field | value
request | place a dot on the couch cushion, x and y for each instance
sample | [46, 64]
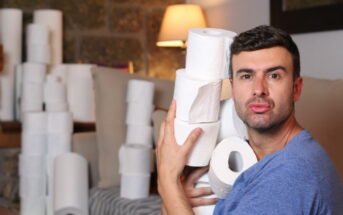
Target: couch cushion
[320, 111]
[110, 94]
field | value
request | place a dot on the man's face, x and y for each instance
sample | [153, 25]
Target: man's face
[263, 87]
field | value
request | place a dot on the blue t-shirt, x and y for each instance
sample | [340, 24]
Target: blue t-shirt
[298, 179]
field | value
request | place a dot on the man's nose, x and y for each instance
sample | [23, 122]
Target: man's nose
[260, 87]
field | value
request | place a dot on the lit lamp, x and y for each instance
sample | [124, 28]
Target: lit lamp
[177, 20]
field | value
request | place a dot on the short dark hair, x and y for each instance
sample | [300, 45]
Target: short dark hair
[262, 37]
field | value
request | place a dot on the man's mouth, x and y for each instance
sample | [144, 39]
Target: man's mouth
[259, 107]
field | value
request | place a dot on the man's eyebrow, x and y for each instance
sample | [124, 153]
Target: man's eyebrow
[244, 70]
[274, 68]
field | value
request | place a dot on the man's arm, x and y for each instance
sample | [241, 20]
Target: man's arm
[171, 159]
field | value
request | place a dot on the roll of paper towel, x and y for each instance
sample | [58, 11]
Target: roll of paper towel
[202, 150]
[70, 185]
[230, 158]
[231, 125]
[134, 186]
[197, 101]
[33, 144]
[208, 52]
[53, 19]
[11, 38]
[80, 92]
[35, 122]
[140, 91]
[37, 34]
[34, 73]
[139, 134]
[139, 113]
[59, 123]
[135, 159]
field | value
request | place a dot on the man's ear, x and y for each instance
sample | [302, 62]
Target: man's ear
[298, 85]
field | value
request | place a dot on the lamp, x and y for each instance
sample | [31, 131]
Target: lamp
[177, 20]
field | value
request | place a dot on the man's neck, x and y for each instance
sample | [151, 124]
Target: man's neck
[271, 141]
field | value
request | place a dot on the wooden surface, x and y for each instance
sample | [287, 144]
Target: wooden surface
[5, 211]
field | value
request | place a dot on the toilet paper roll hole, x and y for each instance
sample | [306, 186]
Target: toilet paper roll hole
[235, 161]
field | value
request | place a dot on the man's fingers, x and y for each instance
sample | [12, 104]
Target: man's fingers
[169, 122]
[161, 136]
[191, 139]
[202, 201]
[198, 192]
[171, 111]
[194, 176]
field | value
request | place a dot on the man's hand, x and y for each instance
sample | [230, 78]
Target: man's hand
[196, 195]
[171, 159]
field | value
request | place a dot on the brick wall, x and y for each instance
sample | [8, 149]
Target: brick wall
[112, 31]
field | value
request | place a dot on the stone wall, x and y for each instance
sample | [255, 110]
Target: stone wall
[109, 32]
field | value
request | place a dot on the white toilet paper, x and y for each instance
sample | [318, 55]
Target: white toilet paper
[18, 90]
[230, 158]
[231, 124]
[34, 73]
[139, 134]
[139, 113]
[140, 91]
[35, 122]
[70, 185]
[53, 19]
[135, 159]
[30, 186]
[202, 150]
[32, 165]
[61, 71]
[37, 34]
[54, 90]
[59, 123]
[32, 205]
[11, 39]
[38, 53]
[33, 144]
[56, 107]
[32, 92]
[197, 101]
[80, 92]
[208, 52]
[134, 186]
[206, 209]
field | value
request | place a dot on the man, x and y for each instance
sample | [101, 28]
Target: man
[294, 175]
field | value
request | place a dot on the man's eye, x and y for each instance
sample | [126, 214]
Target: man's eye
[246, 76]
[274, 75]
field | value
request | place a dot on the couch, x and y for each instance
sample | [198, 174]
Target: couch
[320, 110]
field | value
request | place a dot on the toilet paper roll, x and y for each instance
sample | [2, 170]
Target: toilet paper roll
[139, 134]
[10, 38]
[54, 90]
[208, 52]
[135, 159]
[206, 209]
[38, 53]
[32, 205]
[18, 90]
[139, 113]
[80, 92]
[35, 122]
[197, 101]
[30, 186]
[202, 150]
[33, 144]
[134, 186]
[230, 158]
[58, 143]
[34, 73]
[56, 107]
[140, 91]
[61, 71]
[31, 106]
[53, 19]
[231, 124]
[32, 92]
[70, 185]
[37, 34]
[32, 165]
[59, 123]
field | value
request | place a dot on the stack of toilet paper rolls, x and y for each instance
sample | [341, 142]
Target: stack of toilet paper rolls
[32, 164]
[55, 94]
[135, 156]
[197, 90]
[37, 43]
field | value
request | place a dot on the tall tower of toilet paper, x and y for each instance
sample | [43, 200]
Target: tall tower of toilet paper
[135, 156]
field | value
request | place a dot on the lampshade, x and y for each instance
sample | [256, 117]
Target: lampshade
[177, 20]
